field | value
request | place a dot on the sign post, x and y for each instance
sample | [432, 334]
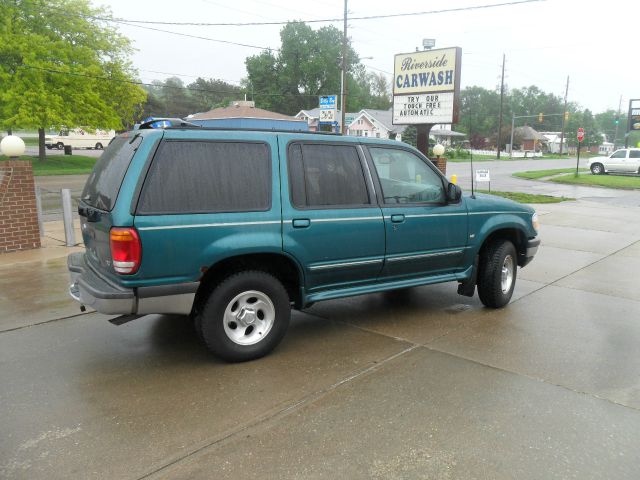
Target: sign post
[426, 86]
[328, 111]
[580, 137]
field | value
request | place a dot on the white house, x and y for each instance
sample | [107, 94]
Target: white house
[553, 142]
[375, 124]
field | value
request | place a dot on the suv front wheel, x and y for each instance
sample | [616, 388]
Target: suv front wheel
[497, 274]
[245, 317]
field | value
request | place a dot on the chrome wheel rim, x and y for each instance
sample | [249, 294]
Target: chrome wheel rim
[507, 274]
[596, 169]
[249, 317]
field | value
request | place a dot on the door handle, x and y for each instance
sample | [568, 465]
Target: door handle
[301, 222]
[397, 218]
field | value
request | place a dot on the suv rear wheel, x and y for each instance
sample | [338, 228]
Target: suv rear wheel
[497, 274]
[245, 317]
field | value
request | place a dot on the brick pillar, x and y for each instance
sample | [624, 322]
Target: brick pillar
[18, 213]
[441, 163]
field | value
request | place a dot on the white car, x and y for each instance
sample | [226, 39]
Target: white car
[80, 138]
[625, 160]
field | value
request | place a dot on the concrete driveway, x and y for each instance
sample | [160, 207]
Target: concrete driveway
[411, 384]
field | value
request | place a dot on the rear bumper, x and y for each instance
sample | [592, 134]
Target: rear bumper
[91, 289]
[530, 251]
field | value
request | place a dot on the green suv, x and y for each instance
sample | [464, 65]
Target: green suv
[236, 227]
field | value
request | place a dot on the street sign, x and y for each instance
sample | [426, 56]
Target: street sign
[328, 108]
[580, 134]
[483, 175]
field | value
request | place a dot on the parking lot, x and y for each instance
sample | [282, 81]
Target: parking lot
[419, 383]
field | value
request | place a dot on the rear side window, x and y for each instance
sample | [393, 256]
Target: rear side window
[103, 185]
[323, 175]
[634, 154]
[207, 177]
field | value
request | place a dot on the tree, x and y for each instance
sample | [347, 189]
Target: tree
[307, 66]
[213, 93]
[62, 66]
[479, 110]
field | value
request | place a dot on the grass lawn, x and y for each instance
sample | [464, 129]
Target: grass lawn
[528, 197]
[504, 157]
[609, 181]
[60, 164]
[537, 174]
[31, 141]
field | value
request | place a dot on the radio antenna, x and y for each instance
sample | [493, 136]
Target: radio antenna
[472, 195]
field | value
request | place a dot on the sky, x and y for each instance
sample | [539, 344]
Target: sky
[595, 43]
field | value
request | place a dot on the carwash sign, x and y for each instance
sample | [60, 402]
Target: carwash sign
[426, 86]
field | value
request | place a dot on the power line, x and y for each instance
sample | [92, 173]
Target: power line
[198, 37]
[146, 84]
[323, 20]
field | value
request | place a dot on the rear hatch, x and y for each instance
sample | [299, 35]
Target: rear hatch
[99, 198]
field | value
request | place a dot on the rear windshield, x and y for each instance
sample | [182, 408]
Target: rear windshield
[103, 185]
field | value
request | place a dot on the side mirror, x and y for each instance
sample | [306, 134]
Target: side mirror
[454, 193]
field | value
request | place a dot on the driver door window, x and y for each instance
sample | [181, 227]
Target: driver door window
[405, 178]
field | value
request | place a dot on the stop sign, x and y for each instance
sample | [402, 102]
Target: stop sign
[580, 134]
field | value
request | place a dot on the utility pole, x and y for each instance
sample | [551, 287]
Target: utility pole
[501, 100]
[513, 122]
[564, 114]
[615, 135]
[343, 76]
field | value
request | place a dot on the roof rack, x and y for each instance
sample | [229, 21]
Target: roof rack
[179, 124]
[166, 123]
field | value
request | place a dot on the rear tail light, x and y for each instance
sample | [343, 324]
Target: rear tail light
[126, 251]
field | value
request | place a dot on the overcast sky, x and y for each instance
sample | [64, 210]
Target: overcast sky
[593, 42]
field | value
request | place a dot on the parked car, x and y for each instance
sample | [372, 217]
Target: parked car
[625, 160]
[80, 138]
[236, 227]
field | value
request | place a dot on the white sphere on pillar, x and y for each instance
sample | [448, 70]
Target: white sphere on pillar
[12, 146]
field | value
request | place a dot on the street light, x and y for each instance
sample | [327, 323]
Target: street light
[12, 146]
[428, 43]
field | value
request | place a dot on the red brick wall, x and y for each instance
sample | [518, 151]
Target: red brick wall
[18, 213]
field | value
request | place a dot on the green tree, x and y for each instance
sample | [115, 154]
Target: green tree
[213, 93]
[306, 66]
[61, 66]
[479, 110]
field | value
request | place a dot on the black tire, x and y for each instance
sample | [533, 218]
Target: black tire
[490, 273]
[224, 331]
[99, 146]
[60, 146]
[597, 169]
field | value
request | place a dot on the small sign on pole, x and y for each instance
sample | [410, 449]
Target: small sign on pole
[483, 175]
[328, 108]
[580, 137]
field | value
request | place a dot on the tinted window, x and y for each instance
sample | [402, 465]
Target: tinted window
[103, 185]
[634, 154]
[326, 175]
[620, 154]
[204, 177]
[406, 178]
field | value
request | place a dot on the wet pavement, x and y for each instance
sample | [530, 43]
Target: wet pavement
[420, 383]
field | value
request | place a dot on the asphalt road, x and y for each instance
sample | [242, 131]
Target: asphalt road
[414, 384]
